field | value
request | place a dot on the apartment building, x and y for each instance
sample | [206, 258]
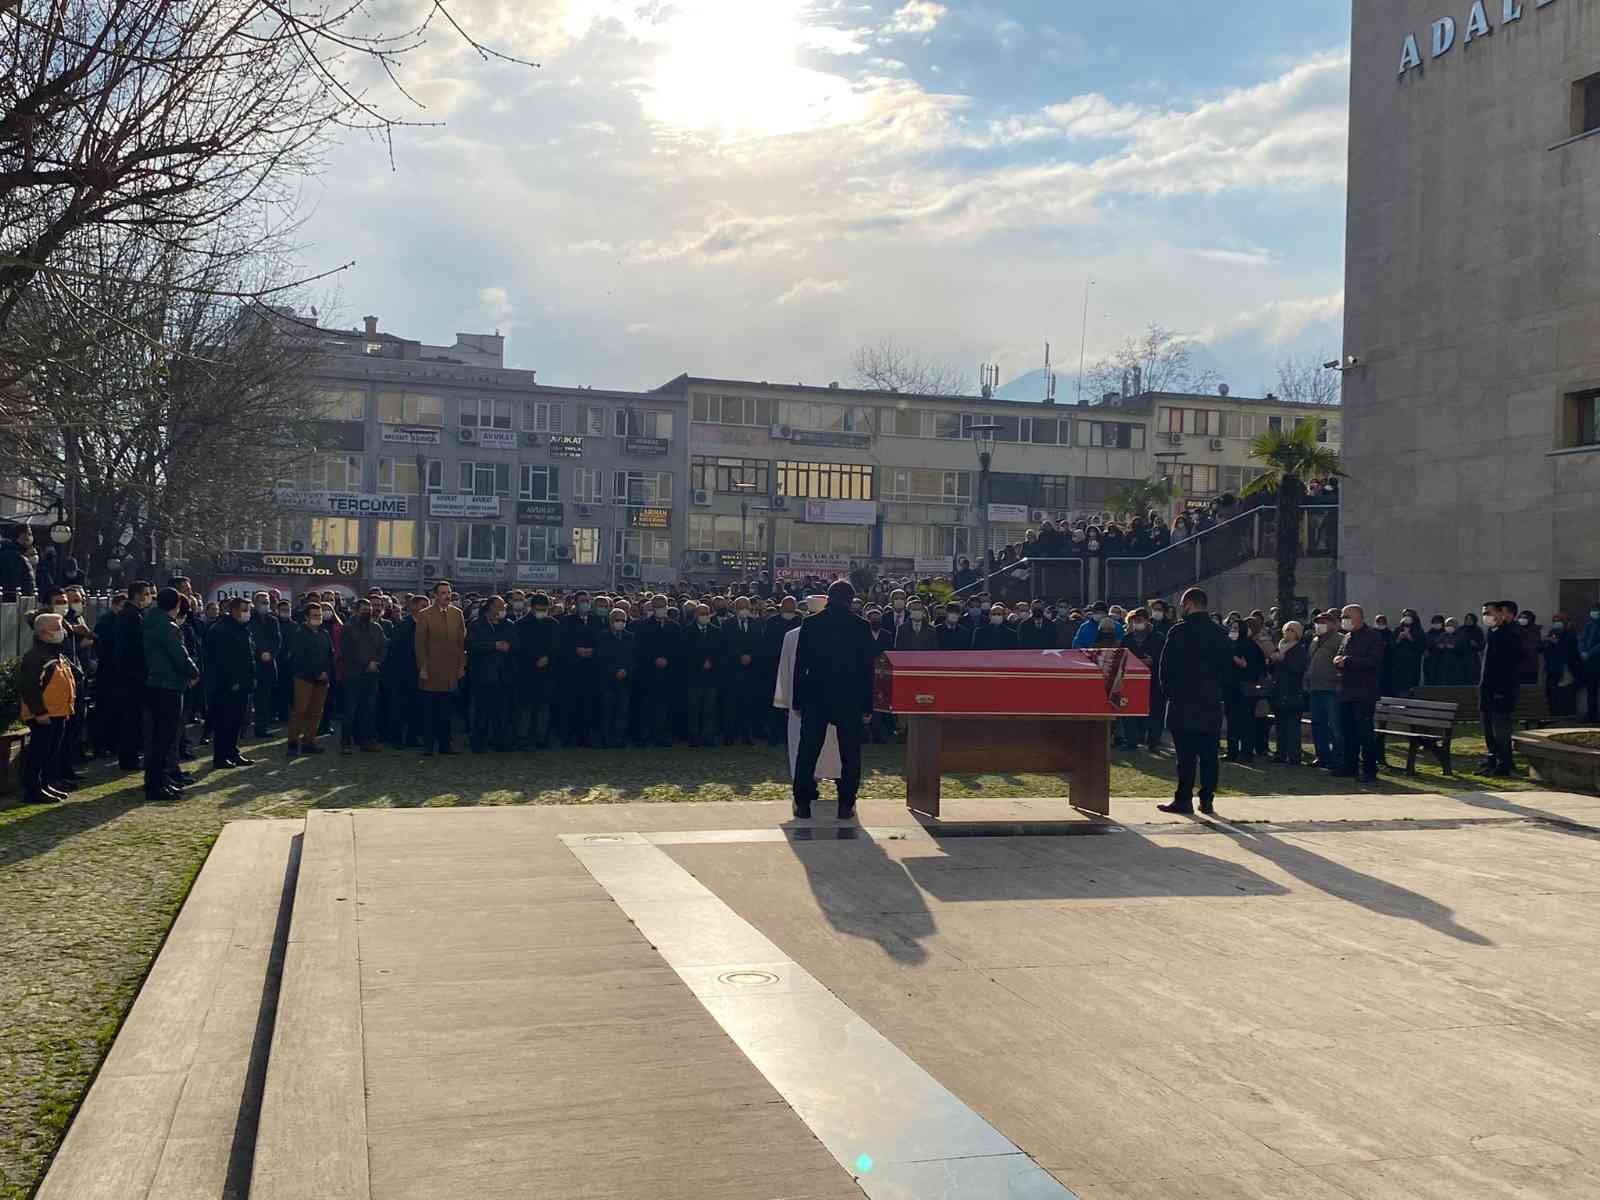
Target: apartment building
[1204, 440]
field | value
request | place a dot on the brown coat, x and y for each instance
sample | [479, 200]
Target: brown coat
[441, 649]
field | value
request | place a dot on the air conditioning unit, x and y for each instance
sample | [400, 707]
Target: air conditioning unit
[630, 570]
[706, 558]
[429, 570]
[466, 436]
[585, 510]
[780, 502]
[702, 497]
[563, 553]
[780, 562]
[618, 558]
[1175, 439]
[783, 433]
[530, 439]
[1216, 443]
[1037, 516]
[297, 547]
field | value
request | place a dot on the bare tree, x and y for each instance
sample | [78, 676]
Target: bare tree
[169, 118]
[888, 366]
[1306, 381]
[1157, 360]
[158, 407]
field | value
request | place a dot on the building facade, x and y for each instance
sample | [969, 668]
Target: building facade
[440, 463]
[1472, 305]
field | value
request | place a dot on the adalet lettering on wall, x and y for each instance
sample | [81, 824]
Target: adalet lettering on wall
[1442, 34]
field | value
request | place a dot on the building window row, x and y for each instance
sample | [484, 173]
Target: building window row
[730, 476]
[824, 481]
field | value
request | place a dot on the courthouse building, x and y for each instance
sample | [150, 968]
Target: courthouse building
[1472, 305]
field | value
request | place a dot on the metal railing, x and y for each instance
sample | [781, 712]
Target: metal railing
[16, 635]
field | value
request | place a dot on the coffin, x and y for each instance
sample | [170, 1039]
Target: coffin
[1102, 683]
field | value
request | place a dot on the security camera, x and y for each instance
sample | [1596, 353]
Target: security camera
[1331, 365]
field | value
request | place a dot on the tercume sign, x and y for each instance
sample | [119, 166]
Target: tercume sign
[1442, 34]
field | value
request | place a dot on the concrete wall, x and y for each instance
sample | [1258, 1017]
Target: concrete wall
[1472, 298]
[1255, 585]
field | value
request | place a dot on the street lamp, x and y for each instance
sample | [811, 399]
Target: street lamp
[744, 487]
[983, 442]
[61, 531]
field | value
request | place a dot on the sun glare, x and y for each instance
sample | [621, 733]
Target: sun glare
[728, 69]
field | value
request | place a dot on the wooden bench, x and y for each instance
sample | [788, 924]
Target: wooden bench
[1533, 706]
[1422, 723]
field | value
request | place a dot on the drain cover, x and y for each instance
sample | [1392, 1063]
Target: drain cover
[602, 837]
[748, 978]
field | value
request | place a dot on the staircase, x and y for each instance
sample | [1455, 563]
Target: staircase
[1227, 560]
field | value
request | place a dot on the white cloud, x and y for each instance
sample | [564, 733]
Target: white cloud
[1251, 257]
[915, 17]
[1279, 322]
[810, 288]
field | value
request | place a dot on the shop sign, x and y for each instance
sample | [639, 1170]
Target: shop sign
[462, 505]
[541, 512]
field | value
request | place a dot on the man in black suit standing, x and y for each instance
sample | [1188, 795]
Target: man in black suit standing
[1193, 664]
[1499, 684]
[832, 686]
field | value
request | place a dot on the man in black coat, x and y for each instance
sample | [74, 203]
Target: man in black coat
[1498, 685]
[538, 647]
[702, 664]
[617, 654]
[491, 667]
[267, 636]
[131, 673]
[1193, 663]
[405, 723]
[996, 635]
[772, 635]
[230, 677]
[581, 630]
[1036, 633]
[1360, 663]
[659, 648]
[742, 704]
[832, 686]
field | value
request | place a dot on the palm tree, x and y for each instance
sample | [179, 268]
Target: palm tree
[1290, 461]
[1140, 496]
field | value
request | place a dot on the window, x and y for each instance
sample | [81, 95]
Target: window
[485, 413]
[396, 539]
[264, 535]
[1093, 493]
[486, 479]
[329, 473]
[707, 532]
[586, 547]
[1054, 492]
[481, 543]
[645, 546]
[825, 418]
[1204, 422]
[1232, 479]
[1583, 419]
[1006, 488]
[634, 422]
[947, 425]
[915, 483]
[925, 541]
[824, 481]
[587, 487]
[537, 544]
[1586, 105]
[642, 487]
[400, 475]
[591, 420]
[335, 535]
[845, 541]
[726, 475]
[1327, 430]
[1194, 480]
[1114, 435]
[410, 408]
[1041, 431]
[541, 416]
[734, 410]
[901, 422]
[539, 483]
[432, 538]
[342, 404]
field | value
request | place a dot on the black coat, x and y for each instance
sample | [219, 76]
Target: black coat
[400, 660]
[487, 666]
[1196, 657]
[909, 637]
[737, 643]
[230, 659]
[994, 637]
[16, 572]
[1238, 678]
[1036, 635]
[1289, 679]
[1405, 660]
[833, 665]
[266, 634]
[658, 640]
[616, 652]
[1502, 666]
[1363, 661]
[701, 649]
[536, 639]
[581, 632]
[955, 637]
[130, 645]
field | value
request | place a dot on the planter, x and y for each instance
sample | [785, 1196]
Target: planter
[1559, 764]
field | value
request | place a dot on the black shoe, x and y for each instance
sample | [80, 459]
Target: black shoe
[222, 764]
[291, 750]
[847, 812]
[50, 789]
[1207, 809]
[1486, 767]
[163, 794]
[1181, 810]
[181, 777]
[42, 797]
[65, 786]
[310, 748]
[239, 760]
[802, 812]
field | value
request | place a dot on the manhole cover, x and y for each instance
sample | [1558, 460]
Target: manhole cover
[603, 837]
[748, 978]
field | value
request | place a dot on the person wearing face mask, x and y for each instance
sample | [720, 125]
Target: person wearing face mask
[1089, 632]
[283, 689]
[1530, 639]
[169, 673]
[1145, 643]
[1247, 670]
[742, 674]
[363, 649]
[918, 632]
[16, 569]
[703, 649]
[615, 654]
[1194, 661]
[1360, 660]
[1563, 666]
[1500, 685]
[230, 678]
[1471, 647]
[579, 673]
[996, 635]
[1288, 691]
[1035, 632]
[311, 648]
[1322, 691]
[536, 644]
[660, 646]
[47, 691]
[976, 616]
[491, 667]
[403, 716]
[131, 673]
[773, 632]
[1407, 653]
[1589, 653]
[954, 632]
[1437, 653]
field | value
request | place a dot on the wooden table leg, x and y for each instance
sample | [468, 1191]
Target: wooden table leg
[1090, 782]
[923, 738]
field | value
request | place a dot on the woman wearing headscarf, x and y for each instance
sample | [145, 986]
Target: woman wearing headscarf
[1248, 667]
[1406, 653]
[1288, 691]
[1563, 667]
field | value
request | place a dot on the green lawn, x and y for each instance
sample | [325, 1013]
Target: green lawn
[88, 888]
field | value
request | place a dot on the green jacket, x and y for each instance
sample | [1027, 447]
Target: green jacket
[166, 661]
[360, 644]
[311, 651]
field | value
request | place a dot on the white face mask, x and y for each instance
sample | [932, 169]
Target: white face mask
[1233, 635]
[702, 619]
[59, 609]
[996, 619]
[918, 616]
[263, 609]
[1524, 621]
[53, 637]
[1323, 627]
[314, 620]
[1140, 627]
[952, 619]
[899, 605]
[1346, 624]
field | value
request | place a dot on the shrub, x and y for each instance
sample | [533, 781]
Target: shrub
[10, 697]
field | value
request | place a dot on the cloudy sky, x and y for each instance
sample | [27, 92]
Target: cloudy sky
[754, 188]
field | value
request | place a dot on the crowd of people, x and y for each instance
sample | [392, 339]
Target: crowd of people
[162, 672]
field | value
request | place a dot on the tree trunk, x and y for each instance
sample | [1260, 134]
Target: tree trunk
[1289, 493]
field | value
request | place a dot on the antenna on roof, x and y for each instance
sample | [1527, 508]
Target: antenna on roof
[988, 379]
[1049, 378]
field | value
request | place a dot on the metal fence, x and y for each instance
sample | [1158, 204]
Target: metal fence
[16, 635]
